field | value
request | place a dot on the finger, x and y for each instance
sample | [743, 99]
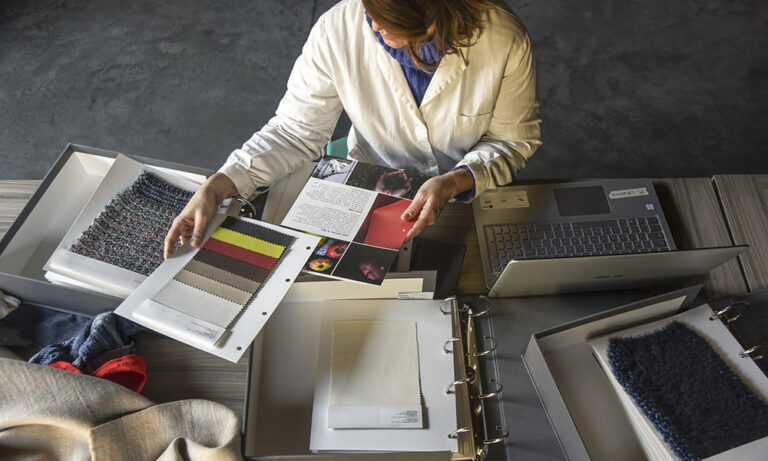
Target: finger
[199, 231]
[413, 209]
[171, 238]
[427, 217]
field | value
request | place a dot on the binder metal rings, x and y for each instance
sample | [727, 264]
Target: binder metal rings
[455, 434]
[722, 313]
[445, 345]
[450, 389]
[502, 438]
[486, 352]
[499, 387]
[247, 209]
[485, 301]
[751, 350]
[448, 301]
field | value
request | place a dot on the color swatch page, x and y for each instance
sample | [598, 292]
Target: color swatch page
[226, 272]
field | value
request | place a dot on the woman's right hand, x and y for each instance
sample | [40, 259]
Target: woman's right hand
[194, 218]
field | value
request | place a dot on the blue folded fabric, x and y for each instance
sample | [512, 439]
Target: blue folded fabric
[687, 391]
[39, 326]
[106, 332]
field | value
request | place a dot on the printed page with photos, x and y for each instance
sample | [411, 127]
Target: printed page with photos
[355, 208]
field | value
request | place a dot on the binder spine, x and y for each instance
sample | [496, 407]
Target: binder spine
[473, 435]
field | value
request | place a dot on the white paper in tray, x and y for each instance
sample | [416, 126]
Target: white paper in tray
[109, 279]
[228, 343]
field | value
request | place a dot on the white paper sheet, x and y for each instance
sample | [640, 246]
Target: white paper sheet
[330, 209]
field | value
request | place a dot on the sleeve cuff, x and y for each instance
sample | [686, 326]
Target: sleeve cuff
[467, 195]
[239, 176]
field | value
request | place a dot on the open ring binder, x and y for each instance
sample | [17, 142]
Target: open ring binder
[722, 314]
[472, 431]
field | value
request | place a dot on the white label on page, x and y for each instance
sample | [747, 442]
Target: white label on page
[506, 200]
[400, 417]
[626, 193]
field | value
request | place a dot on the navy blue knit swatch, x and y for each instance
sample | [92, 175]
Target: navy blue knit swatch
[129, 233]
[687, 391]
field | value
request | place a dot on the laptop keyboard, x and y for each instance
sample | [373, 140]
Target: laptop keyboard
[568, 239]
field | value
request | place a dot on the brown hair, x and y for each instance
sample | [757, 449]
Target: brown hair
[455, 22]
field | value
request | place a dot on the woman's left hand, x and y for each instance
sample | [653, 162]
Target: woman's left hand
[432, 197]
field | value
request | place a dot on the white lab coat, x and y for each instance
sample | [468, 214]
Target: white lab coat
[480, 108]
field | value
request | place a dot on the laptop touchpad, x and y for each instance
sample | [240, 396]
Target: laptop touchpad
[575, 201]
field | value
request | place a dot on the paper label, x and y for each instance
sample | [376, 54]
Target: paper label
[626, 193]
[199, 329]
[506, 200]
[400, 417]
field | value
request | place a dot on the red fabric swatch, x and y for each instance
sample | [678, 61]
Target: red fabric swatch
[129, 371]
[62, 365]
[241, 254]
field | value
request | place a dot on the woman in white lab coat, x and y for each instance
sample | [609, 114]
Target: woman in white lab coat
[444, 87]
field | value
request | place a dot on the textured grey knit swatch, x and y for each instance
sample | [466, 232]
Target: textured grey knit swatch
[130, 230]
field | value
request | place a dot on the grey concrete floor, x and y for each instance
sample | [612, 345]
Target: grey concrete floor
[652, 88]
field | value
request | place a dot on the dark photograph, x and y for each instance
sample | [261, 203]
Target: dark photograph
[325, 257]
[398, 183]
[333, 169]
[365, 263]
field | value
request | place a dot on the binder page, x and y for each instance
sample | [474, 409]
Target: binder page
[435, 370]
[723, 344]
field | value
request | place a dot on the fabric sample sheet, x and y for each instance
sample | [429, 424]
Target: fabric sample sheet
[225, 274]
[374, 375]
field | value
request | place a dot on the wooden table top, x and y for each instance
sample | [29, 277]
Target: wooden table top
[692, 206]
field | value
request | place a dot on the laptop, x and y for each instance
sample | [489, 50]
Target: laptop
[582, 236]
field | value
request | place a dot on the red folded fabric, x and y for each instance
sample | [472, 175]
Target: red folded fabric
[128, 370]
[62, 365]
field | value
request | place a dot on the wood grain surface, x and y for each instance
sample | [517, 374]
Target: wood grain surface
[13, 196]
[696, 220]
[745, 203]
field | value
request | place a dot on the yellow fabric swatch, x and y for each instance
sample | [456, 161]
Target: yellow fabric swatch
[249, 243]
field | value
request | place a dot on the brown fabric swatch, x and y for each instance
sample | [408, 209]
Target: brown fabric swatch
[223, 276]
[217, 288]
[228, 264]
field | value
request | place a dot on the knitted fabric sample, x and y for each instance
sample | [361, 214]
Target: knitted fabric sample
[687, 391]
[129, 232]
